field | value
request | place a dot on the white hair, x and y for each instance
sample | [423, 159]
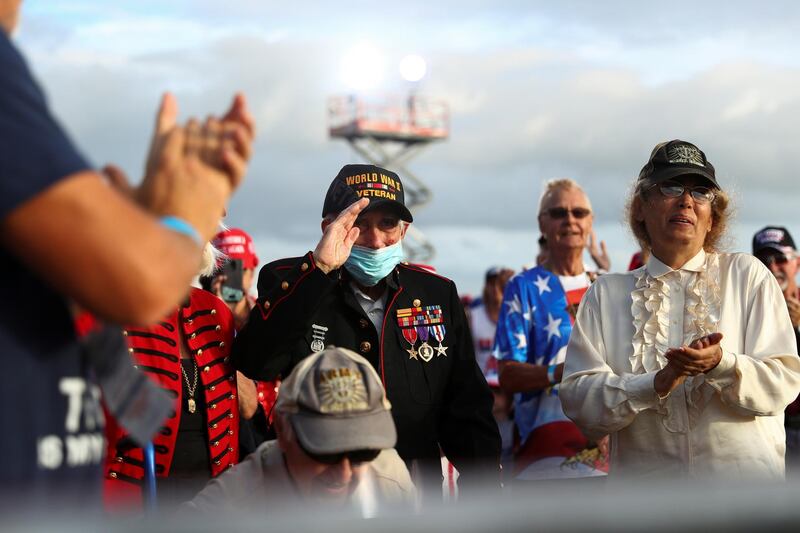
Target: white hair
[209, 259]
[561, 184]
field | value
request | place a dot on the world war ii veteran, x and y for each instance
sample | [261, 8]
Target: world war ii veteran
[354, 291]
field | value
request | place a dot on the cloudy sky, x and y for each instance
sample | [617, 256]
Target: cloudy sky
[536, 90]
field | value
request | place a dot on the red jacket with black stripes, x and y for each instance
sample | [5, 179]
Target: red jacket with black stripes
[207, 325]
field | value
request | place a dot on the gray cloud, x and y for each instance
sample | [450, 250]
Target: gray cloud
[579, 89]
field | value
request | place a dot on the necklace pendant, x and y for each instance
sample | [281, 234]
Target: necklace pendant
[192, 405]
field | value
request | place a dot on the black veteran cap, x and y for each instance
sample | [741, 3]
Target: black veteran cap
[382, 187]
[677, 158]
[774, 237]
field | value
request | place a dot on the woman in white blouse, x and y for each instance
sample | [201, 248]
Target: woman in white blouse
[689, 361]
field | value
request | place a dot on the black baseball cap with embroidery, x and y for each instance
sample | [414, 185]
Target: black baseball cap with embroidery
[676, 158]
[382, 187]
[773, 237]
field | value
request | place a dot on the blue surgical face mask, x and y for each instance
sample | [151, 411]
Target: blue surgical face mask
[368, 266]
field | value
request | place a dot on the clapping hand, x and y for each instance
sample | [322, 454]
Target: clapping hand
[700, 356]
[191, 171]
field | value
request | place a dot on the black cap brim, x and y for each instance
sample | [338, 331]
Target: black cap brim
[672, 172]
[382, 203]
[783, 249]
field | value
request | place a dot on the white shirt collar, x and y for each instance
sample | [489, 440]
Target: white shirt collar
[657, 269]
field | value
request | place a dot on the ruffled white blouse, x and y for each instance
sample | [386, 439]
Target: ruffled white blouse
[727, 423]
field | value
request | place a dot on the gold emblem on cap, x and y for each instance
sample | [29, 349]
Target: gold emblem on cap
[342, 390]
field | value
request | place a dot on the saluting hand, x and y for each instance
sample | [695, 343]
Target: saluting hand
[338, 238]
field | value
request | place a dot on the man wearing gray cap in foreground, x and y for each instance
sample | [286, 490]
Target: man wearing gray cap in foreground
[334, 447]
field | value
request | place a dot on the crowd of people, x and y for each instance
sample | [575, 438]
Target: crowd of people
[352, 378]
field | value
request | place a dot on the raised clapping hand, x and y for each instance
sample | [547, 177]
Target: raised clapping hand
[338, 238]
[191, 171]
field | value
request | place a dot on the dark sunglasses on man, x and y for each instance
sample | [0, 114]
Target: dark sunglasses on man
[356, 457]
[777, 259]
[562, 212]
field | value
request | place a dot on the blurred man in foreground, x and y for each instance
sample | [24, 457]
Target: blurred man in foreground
[334, 447]
[67, 236]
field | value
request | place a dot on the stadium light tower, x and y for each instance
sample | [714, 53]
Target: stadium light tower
[389, 131]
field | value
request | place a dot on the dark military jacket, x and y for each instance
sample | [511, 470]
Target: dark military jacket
[444, 401]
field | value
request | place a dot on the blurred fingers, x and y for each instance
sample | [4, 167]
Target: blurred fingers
[118, 179]
[236, 137]
[235, 166]
[240, 113]
[167, 114]
[210, 145]
[193, 142]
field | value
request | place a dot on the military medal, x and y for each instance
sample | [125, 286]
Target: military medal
[318, 344]
[418, 322]
[425, 349]
[438, 333]
[410, 334]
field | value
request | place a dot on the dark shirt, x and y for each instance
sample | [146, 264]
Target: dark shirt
[50, 409]
[190, 469]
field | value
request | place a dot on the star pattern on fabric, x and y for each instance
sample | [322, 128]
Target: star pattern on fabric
[497, 353]
[552, 326]
[543, 284]
[515, 306]
[527, 316]
[522, 341]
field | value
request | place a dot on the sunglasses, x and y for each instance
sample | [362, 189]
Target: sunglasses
[563, 212]
[356, 457]
[700, 194]
[777, 259]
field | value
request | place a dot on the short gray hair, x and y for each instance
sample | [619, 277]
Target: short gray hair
[561, 184]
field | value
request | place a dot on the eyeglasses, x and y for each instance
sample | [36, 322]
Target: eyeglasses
[562, 212]
[356, 457]
[700, 194]
[777, 259]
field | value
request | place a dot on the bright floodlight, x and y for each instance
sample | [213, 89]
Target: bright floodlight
[362, 67]
[413, 68]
